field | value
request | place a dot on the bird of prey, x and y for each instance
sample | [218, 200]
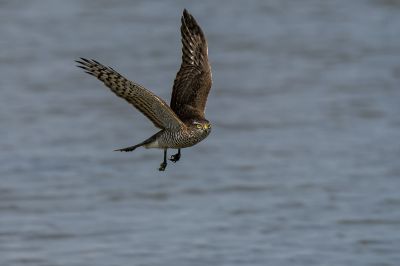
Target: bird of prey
[183, 123]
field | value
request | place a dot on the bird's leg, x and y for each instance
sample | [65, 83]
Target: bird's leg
[164, 163]
[174, 158]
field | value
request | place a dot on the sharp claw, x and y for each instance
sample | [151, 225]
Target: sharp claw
[162, 167]
[175, 158]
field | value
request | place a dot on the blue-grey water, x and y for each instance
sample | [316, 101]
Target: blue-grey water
[302, 166]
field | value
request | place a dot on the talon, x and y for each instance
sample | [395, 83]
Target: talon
[164, 163]
[174, 158]
[162, 166]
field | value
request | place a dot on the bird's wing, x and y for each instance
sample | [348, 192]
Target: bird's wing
[193, 80]
[152, 106]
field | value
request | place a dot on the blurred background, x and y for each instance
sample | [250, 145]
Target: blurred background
[302, 166]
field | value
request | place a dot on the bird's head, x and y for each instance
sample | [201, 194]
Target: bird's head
[202, 126]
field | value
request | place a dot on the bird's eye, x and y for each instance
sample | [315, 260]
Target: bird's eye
[198, 126]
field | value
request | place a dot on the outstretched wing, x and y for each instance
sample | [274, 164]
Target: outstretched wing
[193, 80]
[152, 106]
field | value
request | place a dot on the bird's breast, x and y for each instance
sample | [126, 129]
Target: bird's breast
[179, 139]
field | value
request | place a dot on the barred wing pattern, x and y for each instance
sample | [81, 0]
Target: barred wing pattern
[152, 106]
[193, 81]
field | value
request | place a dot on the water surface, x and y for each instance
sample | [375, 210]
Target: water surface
[302, 166]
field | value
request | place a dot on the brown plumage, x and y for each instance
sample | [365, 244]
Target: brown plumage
[183, 124]
[193, 80]
[144, 100]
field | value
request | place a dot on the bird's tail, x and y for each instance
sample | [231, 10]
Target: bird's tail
[132, 148]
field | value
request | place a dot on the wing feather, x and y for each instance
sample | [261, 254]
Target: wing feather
[193, 80]
[152, 106]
